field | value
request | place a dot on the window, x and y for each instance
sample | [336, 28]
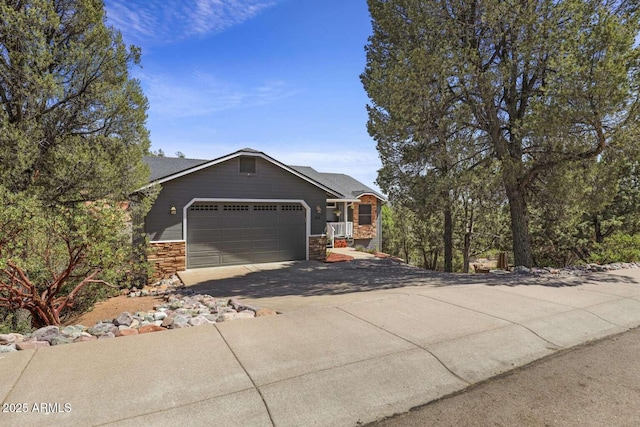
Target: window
[364, 215]
[247, 164]
[265, 208]
[201, 207]
[292, 208]
[235, 208]
[331, 205]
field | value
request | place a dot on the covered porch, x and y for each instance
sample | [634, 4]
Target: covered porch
[339, 220]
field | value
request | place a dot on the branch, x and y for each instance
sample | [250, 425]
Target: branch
[62, 302]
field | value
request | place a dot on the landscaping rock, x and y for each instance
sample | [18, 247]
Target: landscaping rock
[6, 339]
[160, 315]
[225, 317]
[180, 319]
[46, 333]
[245, 315]
[123, 319]
[167, 321]
[18, 337]
[576, 270]
[126, 332]
[149, 328]
[238, 306]
[62, 339]
[8, 348]
[178, 311]
[198, 321]
[102, 328]
[73, 331]
[521, 269]
[180, 325]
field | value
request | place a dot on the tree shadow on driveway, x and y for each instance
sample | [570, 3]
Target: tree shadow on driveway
[311, 278]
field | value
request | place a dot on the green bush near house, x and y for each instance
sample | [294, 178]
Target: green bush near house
[60, 259]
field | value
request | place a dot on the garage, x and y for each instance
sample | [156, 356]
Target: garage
[231, 232]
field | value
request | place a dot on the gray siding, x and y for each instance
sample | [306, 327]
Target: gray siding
[224, 181]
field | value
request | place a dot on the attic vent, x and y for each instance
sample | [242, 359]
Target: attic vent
[247, 164]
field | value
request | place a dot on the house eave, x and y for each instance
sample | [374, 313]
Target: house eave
[377, 196]
[343, 200]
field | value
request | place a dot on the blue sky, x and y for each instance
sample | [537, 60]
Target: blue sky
[279, 76]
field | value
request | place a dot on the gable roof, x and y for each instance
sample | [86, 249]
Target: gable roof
[342, 186]
[165, 169]
[345, 184]
[162, 167]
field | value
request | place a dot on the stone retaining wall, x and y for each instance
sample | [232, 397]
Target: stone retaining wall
[318, 248]
[167, 258]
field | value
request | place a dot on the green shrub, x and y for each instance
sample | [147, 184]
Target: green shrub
[619, 247]
[58, 260]
[17, 321]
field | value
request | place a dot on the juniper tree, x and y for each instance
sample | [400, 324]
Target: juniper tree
[72, 121]
[538, 83]
[72, 135]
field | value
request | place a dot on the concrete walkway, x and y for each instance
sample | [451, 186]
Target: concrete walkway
[356, 357]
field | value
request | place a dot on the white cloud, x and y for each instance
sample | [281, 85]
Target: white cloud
[163, 21]
[200, 94]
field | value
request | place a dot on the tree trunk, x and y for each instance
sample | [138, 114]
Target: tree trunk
[519, 226]
[405, 249]
[465, 254]
[598, 229]
[434, 266]
[467, 243]
[425, 258]
[448, 239]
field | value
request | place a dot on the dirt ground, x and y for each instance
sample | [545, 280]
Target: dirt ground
[112, 307]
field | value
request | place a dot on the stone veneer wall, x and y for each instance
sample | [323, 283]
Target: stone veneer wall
[167, 258]
[318, 248]
[365, 231]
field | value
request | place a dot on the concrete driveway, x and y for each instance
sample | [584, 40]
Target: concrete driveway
[294, 285]
[356, 342]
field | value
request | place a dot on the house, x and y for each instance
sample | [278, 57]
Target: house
[247, 207]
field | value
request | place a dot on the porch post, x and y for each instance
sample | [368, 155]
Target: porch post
[346, 220]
